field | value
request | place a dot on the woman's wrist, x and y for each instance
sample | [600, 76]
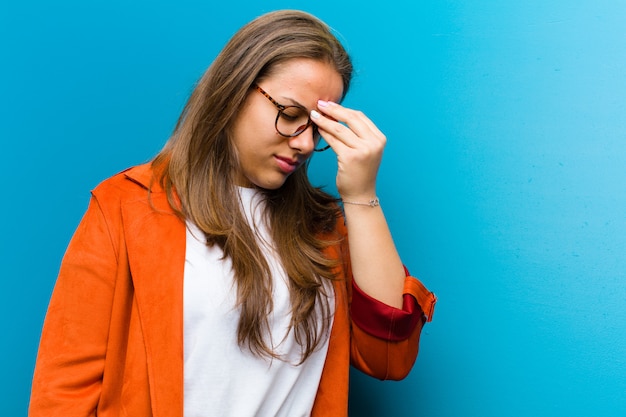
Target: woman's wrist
[372, 202]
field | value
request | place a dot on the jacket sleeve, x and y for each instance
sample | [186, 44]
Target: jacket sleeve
[69, 369]
[385, 339]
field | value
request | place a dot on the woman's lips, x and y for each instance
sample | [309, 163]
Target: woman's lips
[286, 165]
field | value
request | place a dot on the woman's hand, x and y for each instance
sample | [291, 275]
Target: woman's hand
[376, 265]
[359, 147]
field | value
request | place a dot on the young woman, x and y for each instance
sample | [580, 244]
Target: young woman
[216, 281]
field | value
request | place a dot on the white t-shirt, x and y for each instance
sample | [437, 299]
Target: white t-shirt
[221, 378]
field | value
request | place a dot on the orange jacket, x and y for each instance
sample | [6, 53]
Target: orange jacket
[112, 342]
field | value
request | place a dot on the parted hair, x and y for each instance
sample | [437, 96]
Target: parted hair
[197, 169]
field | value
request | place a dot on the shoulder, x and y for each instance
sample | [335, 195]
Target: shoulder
[135, 191]
[130, 184]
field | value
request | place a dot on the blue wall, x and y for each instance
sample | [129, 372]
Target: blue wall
[504, 179]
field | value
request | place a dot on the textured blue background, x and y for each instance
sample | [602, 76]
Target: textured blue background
[504, 179]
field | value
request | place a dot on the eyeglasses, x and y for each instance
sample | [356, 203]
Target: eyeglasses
[292, 120]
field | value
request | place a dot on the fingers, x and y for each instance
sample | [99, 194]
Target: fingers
[345, 125]
[355, 119]
[334, 132]
[358, 144]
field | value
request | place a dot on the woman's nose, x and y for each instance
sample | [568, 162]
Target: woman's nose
[305, 141]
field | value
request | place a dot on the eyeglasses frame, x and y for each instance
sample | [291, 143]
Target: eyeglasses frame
[281, 108]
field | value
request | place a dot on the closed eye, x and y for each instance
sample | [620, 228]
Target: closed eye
[293, 113]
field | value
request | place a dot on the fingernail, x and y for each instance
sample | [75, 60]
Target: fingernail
[315, 114]
[322, 103]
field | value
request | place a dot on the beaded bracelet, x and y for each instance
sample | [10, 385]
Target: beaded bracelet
[372, 203]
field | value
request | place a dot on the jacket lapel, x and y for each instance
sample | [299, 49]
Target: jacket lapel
[156, 252]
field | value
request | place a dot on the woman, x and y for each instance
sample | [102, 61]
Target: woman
[216, 280]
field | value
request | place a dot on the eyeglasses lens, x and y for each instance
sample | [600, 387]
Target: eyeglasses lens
[292, 120]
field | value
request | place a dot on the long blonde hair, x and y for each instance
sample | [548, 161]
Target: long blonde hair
[197, 169]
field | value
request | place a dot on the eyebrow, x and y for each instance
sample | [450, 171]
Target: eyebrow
[294, 102]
